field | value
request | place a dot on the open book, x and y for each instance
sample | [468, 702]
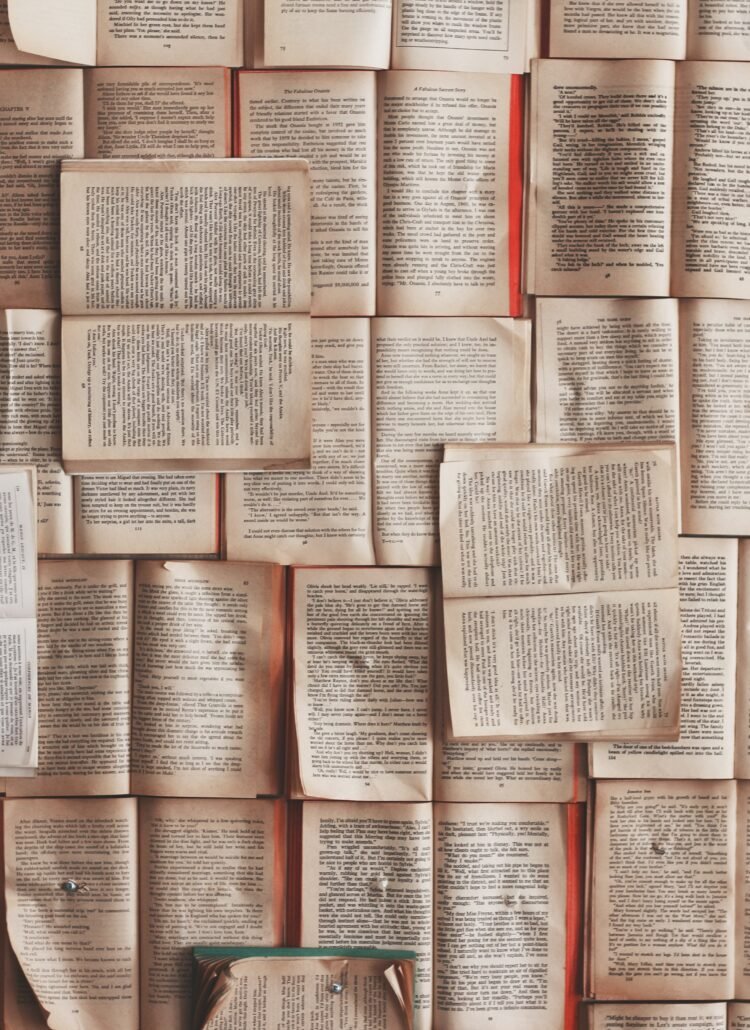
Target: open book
[18, 621]
[370, 722]
[161, 678]
[122, 32]
[669, 888]
[560, 582]
[387, 395]
[188, 245]
[699, 30]
[106, 897]
[318, 987]
[714, 710]
[637, 171]
[607, 370]
[471, 36]
[444, 880]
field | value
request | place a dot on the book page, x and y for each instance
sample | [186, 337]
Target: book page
[63, 29]
[663, 890]
[383, 895]
[541, 522]
[618, 28]
[463, 35]
[202, 235]
[742, 743]
[322, 32]
[583, 665]
[180, 32]
[321, 515]
[664, 1016]
[85, 640]
[21, 1010]
[437, 380]
[148, 514]
[739, 1015]
[18, 635]
[602, 134]
[497, 770]
[210, 872]
[207, 679]
[708, 615]
[501, 875]
[31, 420]
[742, 900]
[186, 393]
[718, 30]
[445, 214]
[606, 370]
[9, 52]
[363, 713]
[77, 947]
[158, 112]
[272, 991]
[710, 234]
[714, 417]
[41, 122]
[329, 119]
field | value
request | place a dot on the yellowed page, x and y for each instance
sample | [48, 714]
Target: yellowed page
[618, 28]
[437, 380]
[40, 123]
[210, 873]
[158, 112]
[85, 640]
[185, 236]
[606, 369]
[499, 870]
[718, 30]
[9, 52]
[320, 516]
[31, 423]
[363, 713]
[463, 35]
[146, 514]
[78, 948]
[207, 679]
[327, 32]
[742, 740]
[663, 890]
[657, 1016]
[708, 615]
[63, 29]
[367, 876]
[443, 209]
[710, 209]
[584, 666]
[18, 631]
[537, 522]
[602, 136]
[742, 899]
[739, 1015]
[186, 393]
[714, 418]
[329, 119]
[269, 992]
[178, 33]
[21, 1010]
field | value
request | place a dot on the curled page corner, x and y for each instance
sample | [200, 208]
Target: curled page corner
[61, 29]
[399, 980]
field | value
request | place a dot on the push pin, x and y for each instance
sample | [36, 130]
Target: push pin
[336, 987]
[658, 848]
[382, 884]
[71, 887]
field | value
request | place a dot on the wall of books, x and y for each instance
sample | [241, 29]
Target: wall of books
[375, 514]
